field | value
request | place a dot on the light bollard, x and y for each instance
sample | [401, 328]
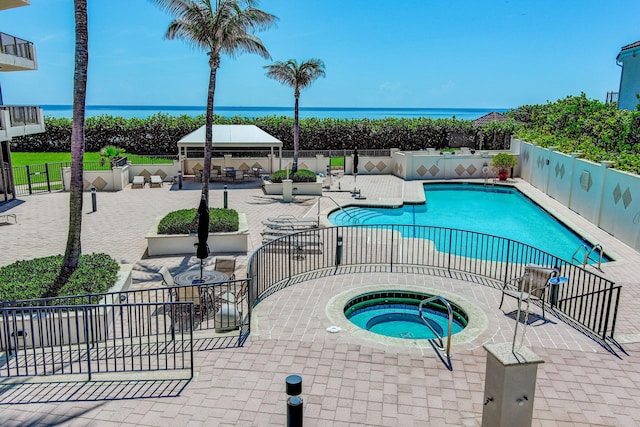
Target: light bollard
[179, 180]
[225, 198]
[94, 202]
[294, 401]
[338, 251]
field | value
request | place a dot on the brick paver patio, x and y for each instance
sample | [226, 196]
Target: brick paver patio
[347, 380]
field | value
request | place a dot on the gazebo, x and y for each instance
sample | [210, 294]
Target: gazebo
[229, 139]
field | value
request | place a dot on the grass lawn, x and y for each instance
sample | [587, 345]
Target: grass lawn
[337, 161]
[22, 158]
[91, 162]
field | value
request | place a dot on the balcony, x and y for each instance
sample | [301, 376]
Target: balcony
[19, 121]
[10, 4]
[16, 54]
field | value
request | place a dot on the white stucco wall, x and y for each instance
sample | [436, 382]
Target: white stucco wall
[629, 80]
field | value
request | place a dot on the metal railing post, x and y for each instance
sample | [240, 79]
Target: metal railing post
[46, 171]
[29, 179]
[86, 339]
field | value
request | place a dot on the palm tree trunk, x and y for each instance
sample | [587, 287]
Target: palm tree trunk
[296, 135]
[73, 248]
[208, 133]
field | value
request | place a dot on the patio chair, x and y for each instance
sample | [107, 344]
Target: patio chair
[226, 265]
[138, 180]
[229, 306]
[215, 174]
[167, 278]
[182, 293]
[197, 175]
[530, 286]
[155, 180]
[239, 176]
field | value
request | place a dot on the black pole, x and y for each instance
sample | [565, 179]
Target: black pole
[29, 179]
[338, 251]
[294, 402]
[179, 180]
[226, 198]
[94, 202]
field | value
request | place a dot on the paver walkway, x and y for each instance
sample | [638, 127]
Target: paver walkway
[346, 380]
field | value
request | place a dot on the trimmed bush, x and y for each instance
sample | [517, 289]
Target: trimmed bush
[302, 175]
[185, 221]
[33, 278]
[159, 133]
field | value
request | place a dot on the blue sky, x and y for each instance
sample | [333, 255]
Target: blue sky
[403, 53]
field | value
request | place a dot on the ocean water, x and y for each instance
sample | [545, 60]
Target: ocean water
[142, 111]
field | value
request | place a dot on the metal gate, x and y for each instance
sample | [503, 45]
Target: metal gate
[40, 178]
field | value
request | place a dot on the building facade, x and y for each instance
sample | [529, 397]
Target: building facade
[16, 54]
[629, 60]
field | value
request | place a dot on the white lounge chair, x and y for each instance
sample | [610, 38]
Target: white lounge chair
[155, 180]
[291, 223]
[138, 181]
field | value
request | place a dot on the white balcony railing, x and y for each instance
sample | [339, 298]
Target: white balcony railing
[18, 120]
[16, 54]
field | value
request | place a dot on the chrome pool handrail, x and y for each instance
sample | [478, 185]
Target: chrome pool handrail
[449, 328]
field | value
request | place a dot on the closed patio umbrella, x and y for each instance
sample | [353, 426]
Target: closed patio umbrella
[202, 251]
[355, 165]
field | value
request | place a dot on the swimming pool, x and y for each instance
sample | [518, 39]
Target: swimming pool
[495, 210]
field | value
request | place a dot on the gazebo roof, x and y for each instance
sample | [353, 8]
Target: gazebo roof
[232, 136]
[491, 117]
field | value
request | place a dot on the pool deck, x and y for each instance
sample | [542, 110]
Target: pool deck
[348, 379]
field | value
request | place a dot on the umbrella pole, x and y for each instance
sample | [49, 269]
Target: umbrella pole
[201, 268]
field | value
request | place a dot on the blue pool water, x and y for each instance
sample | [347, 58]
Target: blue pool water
[499, 211]
[395, 313]
[402, 321]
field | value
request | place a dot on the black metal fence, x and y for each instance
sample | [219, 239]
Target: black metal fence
[94, 339]
[42, 178]
[588, 298]
[129, 331]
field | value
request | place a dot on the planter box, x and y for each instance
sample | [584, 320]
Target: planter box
[299, 188]
[178, 244]
[47, 329]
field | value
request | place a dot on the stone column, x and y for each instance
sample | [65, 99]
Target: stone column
[509, 386]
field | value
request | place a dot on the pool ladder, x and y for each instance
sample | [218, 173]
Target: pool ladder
[335, 203]
[440, 341]
[587, 253]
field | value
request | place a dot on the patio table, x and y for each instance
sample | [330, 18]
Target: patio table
[192, 277]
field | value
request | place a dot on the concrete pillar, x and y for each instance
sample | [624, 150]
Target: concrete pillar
[509, 386]
[287, 190]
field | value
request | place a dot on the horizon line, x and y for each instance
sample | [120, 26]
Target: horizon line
[141, 106]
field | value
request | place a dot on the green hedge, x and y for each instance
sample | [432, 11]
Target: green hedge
[31, 279]
[159, 134]
[185, 221]
[302, 175]
[576, 124]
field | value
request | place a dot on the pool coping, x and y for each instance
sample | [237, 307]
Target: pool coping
[476, 325]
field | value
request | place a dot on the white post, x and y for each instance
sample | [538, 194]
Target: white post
[509, 387]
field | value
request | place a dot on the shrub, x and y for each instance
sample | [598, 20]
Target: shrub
[185, 221]
[504, 161]
[302, 175]
[33, 278]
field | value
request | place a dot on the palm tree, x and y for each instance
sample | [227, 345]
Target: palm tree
[298, 77]
[73, 248]
[217, 27]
